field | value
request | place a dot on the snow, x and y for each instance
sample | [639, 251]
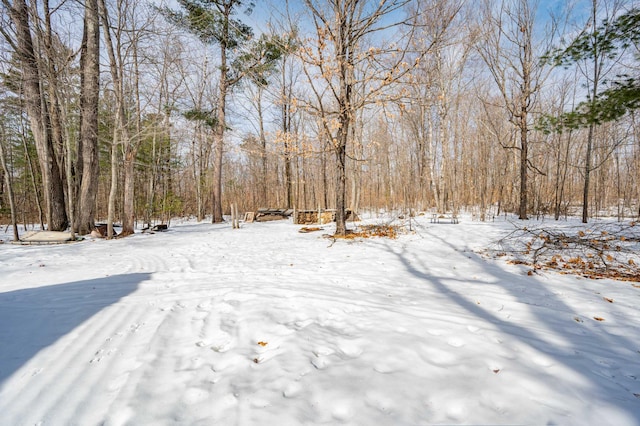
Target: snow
[264, 325]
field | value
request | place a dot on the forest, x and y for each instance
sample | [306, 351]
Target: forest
[131, 113]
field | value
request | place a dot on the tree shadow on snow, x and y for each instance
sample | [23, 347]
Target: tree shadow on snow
[35, 318]
[603, 359]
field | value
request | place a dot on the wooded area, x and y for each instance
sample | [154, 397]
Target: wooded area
[140, 112]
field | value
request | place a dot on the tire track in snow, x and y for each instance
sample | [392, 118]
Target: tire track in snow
[90, 357]
[59, 359]
[117, 356]
[335, 347]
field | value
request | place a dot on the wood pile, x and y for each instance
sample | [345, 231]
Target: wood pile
[309, 217]
[266, 215]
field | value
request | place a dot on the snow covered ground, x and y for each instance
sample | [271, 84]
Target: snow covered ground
[206, 325]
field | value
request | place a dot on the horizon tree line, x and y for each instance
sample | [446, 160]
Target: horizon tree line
[145, 112]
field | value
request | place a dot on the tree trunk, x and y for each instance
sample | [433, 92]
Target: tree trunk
[286, 132]
[287, 173]
[223, 88]
[593, 97]
[341, 189]
[524, 153]
[263, 151]
[90, 90]
[32, 174]
[60, 218]
[587, 175]
[128, 221]
[217, 170]
[7, 178]
[39, 118]
[340, 147]
[114, 186]
[121, 132]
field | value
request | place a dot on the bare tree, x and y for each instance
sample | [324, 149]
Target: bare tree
[198, 78]
[287, 108]
[337, 61]
[8, 182]
[511, 51]
[38, 110]
[430, 94]
[122, 39]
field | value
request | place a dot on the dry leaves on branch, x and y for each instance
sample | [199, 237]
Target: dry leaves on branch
[606, 251]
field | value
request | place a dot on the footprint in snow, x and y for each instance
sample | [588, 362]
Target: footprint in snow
[349, 349]
[320, 362]
[222, 346]
[342, 411]
[100, 354]
[456, 410]
[388, 366]
[292, 390]
[322, 351]
[221, 343]
[300, 324]
[455, 342]
[542, 361]
[438, 357]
